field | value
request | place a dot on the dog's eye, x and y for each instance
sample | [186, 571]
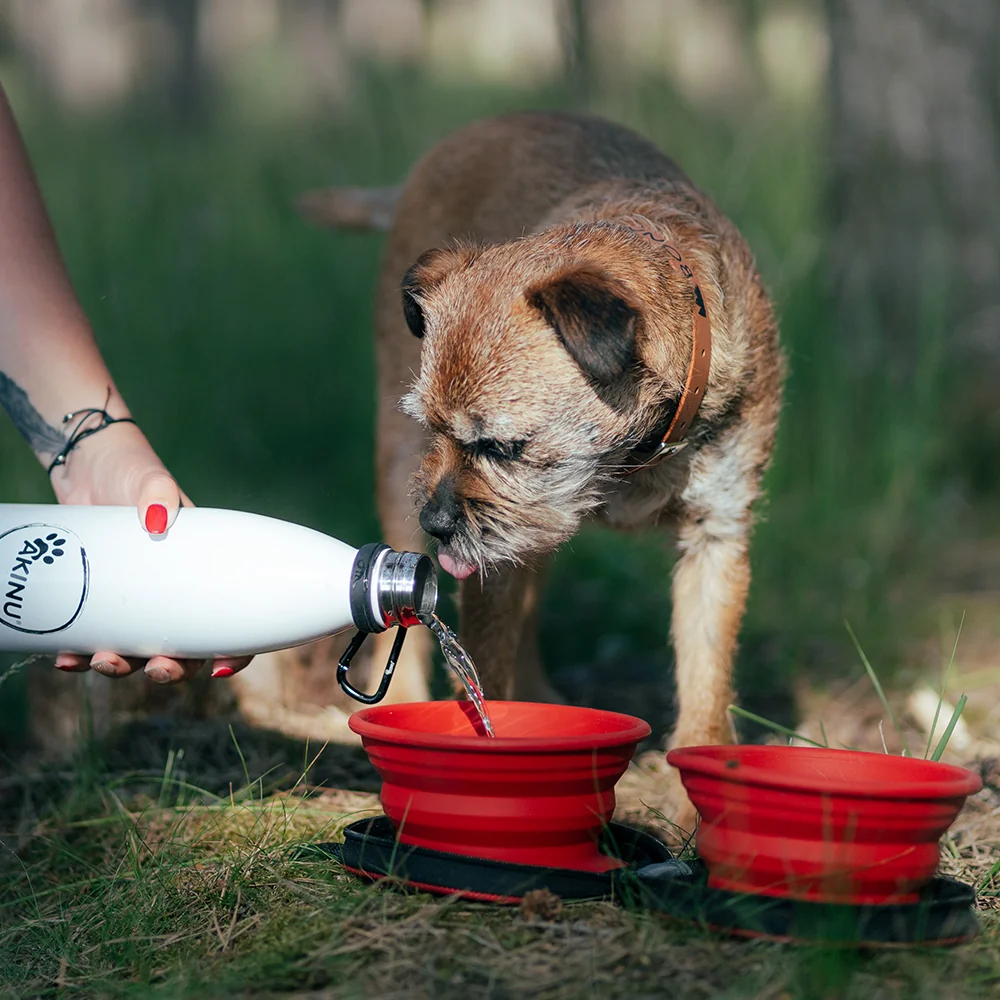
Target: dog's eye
[496, 451]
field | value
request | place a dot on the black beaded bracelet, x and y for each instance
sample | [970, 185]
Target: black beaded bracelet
[80, 432]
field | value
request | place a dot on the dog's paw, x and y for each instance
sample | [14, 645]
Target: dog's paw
[654, 762]
[680, 812]
[651, 793]
[685, 816]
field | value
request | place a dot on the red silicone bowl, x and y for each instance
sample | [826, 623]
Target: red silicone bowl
[818, 824]
[537, 794]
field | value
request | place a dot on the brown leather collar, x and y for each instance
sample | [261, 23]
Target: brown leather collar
[701, 358]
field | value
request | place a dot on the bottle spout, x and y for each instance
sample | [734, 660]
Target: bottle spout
[388, 588]
[407, 588]
[391, 588]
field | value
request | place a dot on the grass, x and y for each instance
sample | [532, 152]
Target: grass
[133, 883]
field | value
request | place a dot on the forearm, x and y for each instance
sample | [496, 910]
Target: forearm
[49, 362]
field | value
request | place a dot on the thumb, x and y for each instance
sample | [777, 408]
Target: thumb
[159, 498]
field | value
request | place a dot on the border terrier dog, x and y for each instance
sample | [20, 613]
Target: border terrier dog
[568, 330]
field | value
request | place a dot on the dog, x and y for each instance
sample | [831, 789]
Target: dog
[568, 330]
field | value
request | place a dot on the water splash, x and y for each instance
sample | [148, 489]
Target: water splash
[461, 665]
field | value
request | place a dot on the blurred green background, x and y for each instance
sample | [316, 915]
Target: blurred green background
[171, 139]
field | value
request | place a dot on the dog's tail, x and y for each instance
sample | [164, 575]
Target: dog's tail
[350, 207]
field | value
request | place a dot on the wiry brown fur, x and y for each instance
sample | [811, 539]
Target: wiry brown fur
[526, 212]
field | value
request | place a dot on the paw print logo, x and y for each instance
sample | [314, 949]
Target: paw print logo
[48, 549]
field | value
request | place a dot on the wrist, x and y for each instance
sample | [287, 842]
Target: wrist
[81, 425]
[101, 467]
[49, 412]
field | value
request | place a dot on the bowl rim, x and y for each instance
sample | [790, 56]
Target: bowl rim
[953, 781]
[633, 730]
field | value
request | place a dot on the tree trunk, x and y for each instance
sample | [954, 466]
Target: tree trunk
[577, 35]
[188, 84]
[916, 190]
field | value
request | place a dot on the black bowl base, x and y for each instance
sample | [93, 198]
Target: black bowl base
[653, 880]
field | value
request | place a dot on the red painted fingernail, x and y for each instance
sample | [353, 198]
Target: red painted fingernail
[68, 667]
[156, 518]
[223, 672]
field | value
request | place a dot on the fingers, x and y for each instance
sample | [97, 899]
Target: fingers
[159, 669]
[72, 664]
[226, 666]
[163, 670]
[113, 665]
[159, 499]
[108, 664]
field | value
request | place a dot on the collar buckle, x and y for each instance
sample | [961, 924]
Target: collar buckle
[663, 451]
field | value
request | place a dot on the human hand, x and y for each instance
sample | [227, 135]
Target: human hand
[119, 466]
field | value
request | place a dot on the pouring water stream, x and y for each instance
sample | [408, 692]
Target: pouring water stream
[461, 665]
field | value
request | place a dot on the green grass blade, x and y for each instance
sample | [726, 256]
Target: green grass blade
[774, 726]
[949, 729]
[988, 877]
[876, 684]
[168, 769]
[246, 772]
[944, 687]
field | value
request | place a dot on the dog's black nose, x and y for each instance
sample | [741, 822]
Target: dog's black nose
[440, 515]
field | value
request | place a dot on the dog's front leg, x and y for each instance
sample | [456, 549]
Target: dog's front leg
[496, 624]
[710, 587]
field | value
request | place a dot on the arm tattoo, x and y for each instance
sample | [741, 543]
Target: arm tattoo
[43, 439]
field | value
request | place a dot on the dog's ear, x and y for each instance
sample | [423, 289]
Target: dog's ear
[428, 270]
[596, 324]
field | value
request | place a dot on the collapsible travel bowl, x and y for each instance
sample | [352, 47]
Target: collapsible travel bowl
[821, 825]
[539, 794]
[795, 846]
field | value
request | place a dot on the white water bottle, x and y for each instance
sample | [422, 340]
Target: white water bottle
[218, 583]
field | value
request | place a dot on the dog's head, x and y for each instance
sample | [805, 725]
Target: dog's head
[544, 361]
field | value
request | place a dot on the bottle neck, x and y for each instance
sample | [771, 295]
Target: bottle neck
[391, 588]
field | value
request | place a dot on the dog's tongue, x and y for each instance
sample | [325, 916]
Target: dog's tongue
[459, 570]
